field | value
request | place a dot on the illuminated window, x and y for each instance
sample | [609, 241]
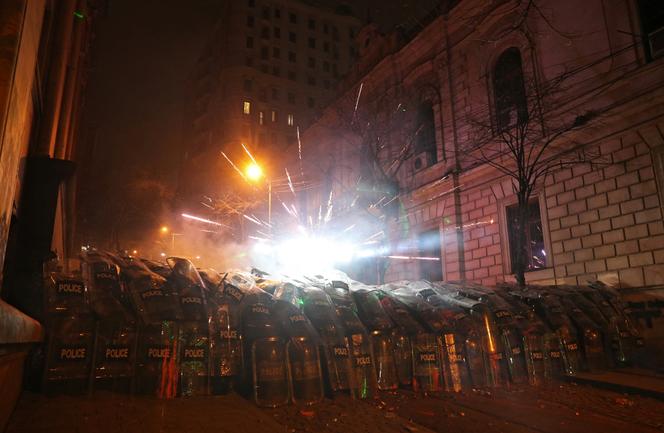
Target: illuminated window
[274, 116]
[291, 120]
[534, 251]
[261, 117]
[246, 107]
[429, 246]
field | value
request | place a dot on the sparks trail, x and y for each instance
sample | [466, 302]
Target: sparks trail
[249, 153]
[235, 167]
[290, 182]
[299, 150]
[255, 221]
[432, 259]
[357, 101]
[203, 220]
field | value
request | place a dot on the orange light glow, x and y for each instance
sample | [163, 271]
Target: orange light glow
[254, 172]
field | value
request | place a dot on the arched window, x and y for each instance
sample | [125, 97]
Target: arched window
[426, 135]
[509, 90]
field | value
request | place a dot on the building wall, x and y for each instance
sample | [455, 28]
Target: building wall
[23, 23]
[601, 221]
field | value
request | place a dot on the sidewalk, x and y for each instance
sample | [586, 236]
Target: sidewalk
[626, 380]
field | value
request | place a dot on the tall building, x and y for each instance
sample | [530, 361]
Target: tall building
[266, 70]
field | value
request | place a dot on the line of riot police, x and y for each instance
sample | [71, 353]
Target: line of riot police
[132, 325]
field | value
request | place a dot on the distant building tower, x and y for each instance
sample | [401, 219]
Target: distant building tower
[266, 70]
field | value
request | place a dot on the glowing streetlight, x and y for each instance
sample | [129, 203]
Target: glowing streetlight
[254, 172]
[163, 229]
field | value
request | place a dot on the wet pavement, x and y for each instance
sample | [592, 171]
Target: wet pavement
[555, 408]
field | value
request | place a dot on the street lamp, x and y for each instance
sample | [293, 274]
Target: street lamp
[164, 230]
[254, 173]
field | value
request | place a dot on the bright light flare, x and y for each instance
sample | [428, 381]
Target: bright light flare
[254, 172]
[314, 253]
[163, 229]
[306, 252]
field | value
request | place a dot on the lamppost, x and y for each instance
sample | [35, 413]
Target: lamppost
[254, 173]
[164, 230]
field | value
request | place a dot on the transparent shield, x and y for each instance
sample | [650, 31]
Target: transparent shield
[383, 355]
[270, 382]
[427, 371]
[305, 371]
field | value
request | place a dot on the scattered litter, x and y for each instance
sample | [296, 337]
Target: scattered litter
[625, 402]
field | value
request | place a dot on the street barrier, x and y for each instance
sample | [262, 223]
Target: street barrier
[168, 330]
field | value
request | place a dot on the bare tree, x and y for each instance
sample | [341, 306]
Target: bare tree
[527, 136]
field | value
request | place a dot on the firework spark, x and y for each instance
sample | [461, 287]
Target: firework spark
[203, 220]
[235, 167]
[433, 259]
[249, 153]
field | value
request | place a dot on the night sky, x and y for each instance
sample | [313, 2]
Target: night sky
[132, 130]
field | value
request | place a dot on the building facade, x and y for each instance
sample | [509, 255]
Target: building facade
[433, 104]
[266, 70]
[42, 80]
